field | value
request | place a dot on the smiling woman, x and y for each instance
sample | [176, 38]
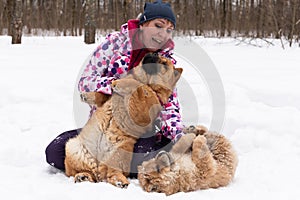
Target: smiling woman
[113, 59]
[155, 33]
[156, 25]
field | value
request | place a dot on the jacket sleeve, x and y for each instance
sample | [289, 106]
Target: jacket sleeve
[171, 121]
[105, 64]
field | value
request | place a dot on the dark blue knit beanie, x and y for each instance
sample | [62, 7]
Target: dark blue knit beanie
[158, 9]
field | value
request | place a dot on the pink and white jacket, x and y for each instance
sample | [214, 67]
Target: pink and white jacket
[114, 57]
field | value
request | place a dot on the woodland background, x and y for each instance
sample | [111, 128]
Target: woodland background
[278, 19]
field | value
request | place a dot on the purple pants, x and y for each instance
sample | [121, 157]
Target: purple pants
[145, 148]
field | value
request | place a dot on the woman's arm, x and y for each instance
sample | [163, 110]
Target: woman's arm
[171, 121]
[93, 78]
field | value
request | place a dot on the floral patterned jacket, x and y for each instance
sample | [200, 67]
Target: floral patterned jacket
[113, 58]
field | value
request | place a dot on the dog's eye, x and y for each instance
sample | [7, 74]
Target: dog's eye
[166, 67]
[163, 68]
[157, 168]
[154, 188]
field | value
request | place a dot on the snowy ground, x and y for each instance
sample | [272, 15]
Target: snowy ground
[37, 81]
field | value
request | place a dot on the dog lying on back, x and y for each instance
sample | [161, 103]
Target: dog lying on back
[103, 149]
[202, 161]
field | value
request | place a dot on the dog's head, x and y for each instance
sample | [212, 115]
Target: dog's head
[155, 175]
[159, 73]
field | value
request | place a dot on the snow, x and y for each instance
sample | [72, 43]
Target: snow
[262, 115]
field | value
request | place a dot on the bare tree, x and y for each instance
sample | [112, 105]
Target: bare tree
[116, 14]
[10, 14]
[27, 15]
[229, 17]
[1, 16]
[90, 24]
[246, 18]
[259, 20]
[294, 5]
[17, 22]
[223, 9]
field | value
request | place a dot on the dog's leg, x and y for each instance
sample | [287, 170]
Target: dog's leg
[79, 162]
[101, 172]
[222, 151]
[203, 158]
[119, 165]
[69, 170]
[183, 144]
[116, 178]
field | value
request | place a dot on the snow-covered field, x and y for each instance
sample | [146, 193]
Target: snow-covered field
[262, 118]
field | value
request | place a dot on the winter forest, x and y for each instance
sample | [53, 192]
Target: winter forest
[278, 19]
[240, 61]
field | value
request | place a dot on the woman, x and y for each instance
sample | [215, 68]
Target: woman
[120, 52]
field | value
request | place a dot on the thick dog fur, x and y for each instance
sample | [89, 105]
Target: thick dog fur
[103, 149]
[202, 161]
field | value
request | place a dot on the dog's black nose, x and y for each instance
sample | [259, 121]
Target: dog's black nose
[150, 63]
[151, 58]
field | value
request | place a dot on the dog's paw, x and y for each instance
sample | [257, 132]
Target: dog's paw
[198, 130]
[82, 177]
[88, 97]
[118, 181]
[94, 98]
[122, 185]
[115, 86]
[199, 142]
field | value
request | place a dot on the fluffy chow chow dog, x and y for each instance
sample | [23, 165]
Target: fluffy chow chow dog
[199, 160]
[103, 149]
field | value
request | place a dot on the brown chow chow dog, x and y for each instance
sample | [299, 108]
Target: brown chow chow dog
[103, 149]
[199, 160]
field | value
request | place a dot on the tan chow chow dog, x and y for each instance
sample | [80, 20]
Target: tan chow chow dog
[199, 160]
[103, 149]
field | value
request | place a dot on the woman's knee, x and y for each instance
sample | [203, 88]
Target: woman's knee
[55, 154]
[55, 151]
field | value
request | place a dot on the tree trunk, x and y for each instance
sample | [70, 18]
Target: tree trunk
[10, 14]
[223, 17]
[74, 19]
[116, 14]
[89, 25]
[293, 21]
[229, 17]
[1, 17]
[17, 23]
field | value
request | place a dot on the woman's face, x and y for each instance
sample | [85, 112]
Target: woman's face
[156, 33]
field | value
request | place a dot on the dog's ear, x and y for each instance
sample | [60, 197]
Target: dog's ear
[177, 73]
[179, 70]
[163, 159]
